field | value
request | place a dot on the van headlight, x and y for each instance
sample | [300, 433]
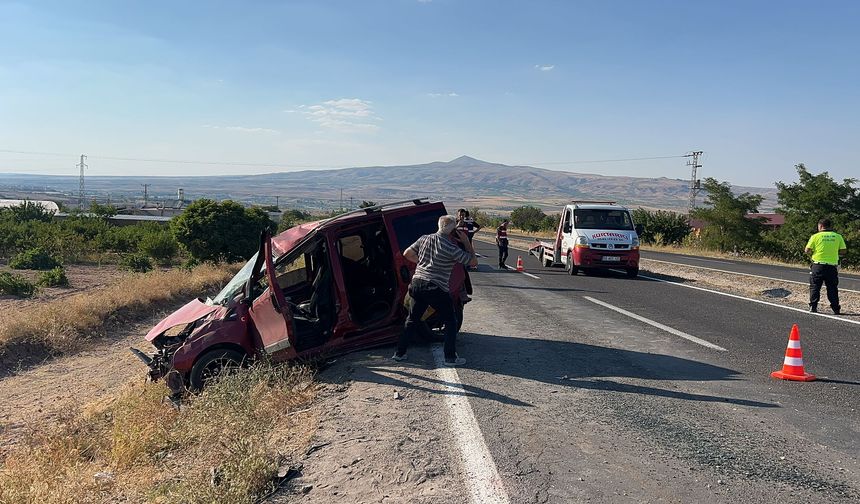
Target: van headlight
[635, 243]
[581, 241]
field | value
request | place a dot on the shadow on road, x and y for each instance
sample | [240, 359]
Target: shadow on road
[557, 363]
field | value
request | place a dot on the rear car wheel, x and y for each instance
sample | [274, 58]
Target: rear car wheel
[571, 268]
[632, 272]
[212, 366]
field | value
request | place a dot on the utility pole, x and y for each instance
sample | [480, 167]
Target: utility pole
[351, 205]
[341, 199]
[695, 183]
[82, 165]
[145, 194]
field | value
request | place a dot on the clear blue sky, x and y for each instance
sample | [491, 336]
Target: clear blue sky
[759, 86]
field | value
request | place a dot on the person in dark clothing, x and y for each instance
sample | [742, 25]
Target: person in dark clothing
[436, 256]
[825, 248]
[502, 243]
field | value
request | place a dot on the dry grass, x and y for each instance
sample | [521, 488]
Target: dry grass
[225, 445]
[65, 324]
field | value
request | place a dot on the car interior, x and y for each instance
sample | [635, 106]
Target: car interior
[368, 271]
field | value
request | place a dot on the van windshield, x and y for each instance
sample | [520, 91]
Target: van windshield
[602, 219]
[236, 285]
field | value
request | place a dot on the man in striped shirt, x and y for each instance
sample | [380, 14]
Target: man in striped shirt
[436, 256]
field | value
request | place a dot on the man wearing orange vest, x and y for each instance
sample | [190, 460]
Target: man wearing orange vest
[825, 247]
[502, 243]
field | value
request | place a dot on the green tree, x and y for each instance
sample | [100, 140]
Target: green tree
[293, 217]
[159, 245]
[810, 199]
[102, 211]
[727, 225]
[30, 211]
[662, 227]
[226, 231]
[527, 218]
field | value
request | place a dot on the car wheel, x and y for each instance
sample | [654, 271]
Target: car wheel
[632, 272]
[572, 270]
[212, 366]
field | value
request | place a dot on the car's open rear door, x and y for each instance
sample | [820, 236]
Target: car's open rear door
[270, 313]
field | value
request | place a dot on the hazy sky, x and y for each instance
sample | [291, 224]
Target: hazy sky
[759, 86]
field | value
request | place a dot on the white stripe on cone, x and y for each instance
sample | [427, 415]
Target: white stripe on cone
[794, 361]
[793, 343]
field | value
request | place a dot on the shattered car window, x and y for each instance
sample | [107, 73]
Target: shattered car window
[236, 284]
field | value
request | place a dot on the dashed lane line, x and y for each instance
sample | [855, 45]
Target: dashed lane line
[481, 479]
[523, 272]
[739, 273]
[658, 325]
[784, 307]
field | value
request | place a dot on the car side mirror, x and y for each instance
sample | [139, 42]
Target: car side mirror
[568, 228]
[640, 229]
[404, 274]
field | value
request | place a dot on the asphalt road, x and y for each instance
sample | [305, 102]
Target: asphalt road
[794, 274]
[579, 402]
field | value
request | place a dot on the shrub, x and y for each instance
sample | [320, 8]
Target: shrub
[35, 258]
[53, 278]
[226, 231]
[161, 246]
[16, 285]
[138, 263]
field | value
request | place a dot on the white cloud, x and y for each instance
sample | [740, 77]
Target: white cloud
[243, 129]
[544, 68]
[440, 95]
[345, 114]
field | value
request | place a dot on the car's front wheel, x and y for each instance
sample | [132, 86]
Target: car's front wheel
[212, 366]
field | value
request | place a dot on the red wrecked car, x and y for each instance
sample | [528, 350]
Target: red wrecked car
[325, 287]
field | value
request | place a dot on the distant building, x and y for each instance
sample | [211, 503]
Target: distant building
[47, 205]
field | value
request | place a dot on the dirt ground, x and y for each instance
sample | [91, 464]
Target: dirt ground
[382, 435]
[38, 397]
[82, 277]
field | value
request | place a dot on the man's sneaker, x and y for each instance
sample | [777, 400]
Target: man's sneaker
[459, 361]
[399, 358]
[813, 309]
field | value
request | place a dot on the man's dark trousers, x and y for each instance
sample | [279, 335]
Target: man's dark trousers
[828, 275]
[503, 251]
[426, 294]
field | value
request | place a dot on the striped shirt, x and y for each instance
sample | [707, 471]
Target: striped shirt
[437, 255]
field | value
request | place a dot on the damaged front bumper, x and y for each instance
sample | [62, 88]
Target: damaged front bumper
[159, 365]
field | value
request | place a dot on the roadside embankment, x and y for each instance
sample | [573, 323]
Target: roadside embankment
[233, 443]
[37, 331]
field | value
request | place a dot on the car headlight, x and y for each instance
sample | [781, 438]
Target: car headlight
[635, 243]
[582, 241]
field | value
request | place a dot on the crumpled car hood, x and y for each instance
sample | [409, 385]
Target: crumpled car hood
[192, 311]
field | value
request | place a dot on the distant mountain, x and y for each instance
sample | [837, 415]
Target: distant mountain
[462, 181]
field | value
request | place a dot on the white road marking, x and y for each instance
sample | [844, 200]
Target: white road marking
[745, 274]
[708, 260]
[523, 272]
[658, 325]
[482, 479]
[834, 317]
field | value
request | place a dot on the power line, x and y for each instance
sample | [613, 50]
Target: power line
[280, 165]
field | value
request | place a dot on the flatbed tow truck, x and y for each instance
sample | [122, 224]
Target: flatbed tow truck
[592, 235]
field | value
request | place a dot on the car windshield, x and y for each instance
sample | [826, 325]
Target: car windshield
[602, 219]
[235, 285]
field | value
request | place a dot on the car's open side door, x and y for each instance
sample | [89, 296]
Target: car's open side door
[270, 313]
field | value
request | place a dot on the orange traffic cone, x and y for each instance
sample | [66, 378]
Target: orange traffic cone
[792, 367]
[520, 266]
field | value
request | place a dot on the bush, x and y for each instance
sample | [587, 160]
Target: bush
[160, 246]
[35, 258]
[138, 263]
[226, 231]
[662, 227]
[16, 285]
[53, 278]
[293, 217]
[527, 218]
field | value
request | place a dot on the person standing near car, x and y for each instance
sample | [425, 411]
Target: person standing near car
[502, 243]
[825, 248]
[472, 226]
[436, 255]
